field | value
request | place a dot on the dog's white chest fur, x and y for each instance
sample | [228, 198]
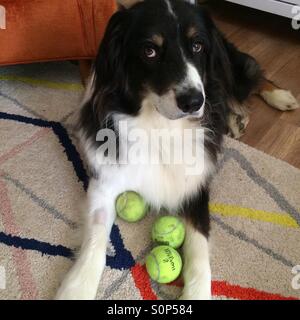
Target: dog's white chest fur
[162, 184]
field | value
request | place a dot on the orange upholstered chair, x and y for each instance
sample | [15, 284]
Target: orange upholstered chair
[43, 30]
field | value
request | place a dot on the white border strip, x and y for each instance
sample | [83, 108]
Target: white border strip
[272, 6]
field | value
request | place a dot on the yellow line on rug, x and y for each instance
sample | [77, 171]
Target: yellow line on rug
[260, 215]
[43, 83]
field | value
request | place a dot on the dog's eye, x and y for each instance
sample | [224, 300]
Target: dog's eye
[197, 46]
[150, 52]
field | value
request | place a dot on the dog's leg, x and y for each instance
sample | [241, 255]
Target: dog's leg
[276, 97]
[81, 283]
[197, 272]
[237, 125]
[238, 120]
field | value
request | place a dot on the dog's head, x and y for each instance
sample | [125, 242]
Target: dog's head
[161, 52]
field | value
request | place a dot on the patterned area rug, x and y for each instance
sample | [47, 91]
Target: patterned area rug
[255, 205]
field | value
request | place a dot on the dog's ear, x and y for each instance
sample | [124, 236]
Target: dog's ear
[239, 72]
[110, 59]
[127, 3]
[110, 80]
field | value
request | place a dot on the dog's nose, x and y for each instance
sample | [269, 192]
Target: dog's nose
[190, 102]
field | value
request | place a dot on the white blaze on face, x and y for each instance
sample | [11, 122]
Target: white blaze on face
[192, 80]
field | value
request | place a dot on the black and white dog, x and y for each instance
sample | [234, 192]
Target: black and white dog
[162, 64]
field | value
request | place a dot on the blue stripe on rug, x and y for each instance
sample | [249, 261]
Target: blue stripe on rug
[27, 120]
[72, 153]
[35, 245]
[123, 258]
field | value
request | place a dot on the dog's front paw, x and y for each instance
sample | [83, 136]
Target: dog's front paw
[77, 287]
[280, 99]
[197, 291]
[71, 292]
[68, 293]
[195, 296]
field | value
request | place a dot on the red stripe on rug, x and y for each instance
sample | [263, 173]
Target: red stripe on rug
[20, 147]
[223, 288]
[142, 282]
[22, 265]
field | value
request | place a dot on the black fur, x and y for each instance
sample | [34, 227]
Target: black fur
[196, 211]
[122, 74]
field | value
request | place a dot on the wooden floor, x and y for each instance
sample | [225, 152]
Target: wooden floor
[272, 41]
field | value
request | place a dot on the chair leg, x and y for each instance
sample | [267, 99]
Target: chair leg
[85, 69]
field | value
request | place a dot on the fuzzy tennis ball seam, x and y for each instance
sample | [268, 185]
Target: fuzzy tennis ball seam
[130, 206]
[169, 230]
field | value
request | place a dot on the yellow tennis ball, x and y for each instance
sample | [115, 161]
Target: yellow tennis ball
[131, 207]
[169, 230]
[164, 264]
